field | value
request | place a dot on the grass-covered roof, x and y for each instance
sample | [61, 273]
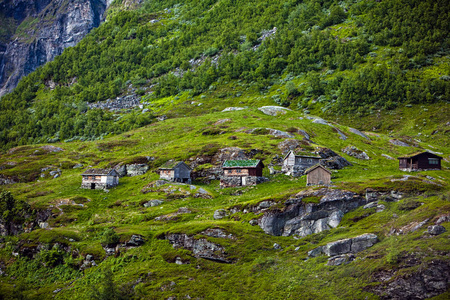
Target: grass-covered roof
[247, 163]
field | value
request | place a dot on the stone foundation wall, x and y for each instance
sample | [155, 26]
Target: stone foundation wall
[235, 181]
[294, 170]
[98, 185]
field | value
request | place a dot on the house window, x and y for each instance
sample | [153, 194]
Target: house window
[433, 161]
[238, 170]
[230, 171]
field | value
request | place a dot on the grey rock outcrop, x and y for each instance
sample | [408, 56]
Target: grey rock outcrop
[132, 169]
[220, 214]
[430, 280]
[153, 203]
[399, 143]
[355, 152]
[436, 229]
[357, 132]
[340, 259]
[135, 241]
[201, 248]
[274, 110]
[332, 160]
[137, 169]
[345, 246]
[66, 23]
[302, 219]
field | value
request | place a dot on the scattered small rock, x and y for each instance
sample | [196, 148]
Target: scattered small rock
[220, 214]
[436, 229]
[276, 246]
[153, 203]
[233, 109]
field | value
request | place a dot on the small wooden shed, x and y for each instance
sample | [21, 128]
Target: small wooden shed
[318, 175]
[420, 161]
[99, 179]
[176, 171]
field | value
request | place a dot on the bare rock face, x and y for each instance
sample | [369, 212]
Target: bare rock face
[355, 152]
[201, 248]
[59, 24]
[331, 159]
[345, 246]
[430, 280]
[302, 219]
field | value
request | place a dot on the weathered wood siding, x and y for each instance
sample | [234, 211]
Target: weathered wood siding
[423, 161]
[236, 172]
[167, 174]
[318, 176]
[289, 160]
[306, 161]
[182, 172]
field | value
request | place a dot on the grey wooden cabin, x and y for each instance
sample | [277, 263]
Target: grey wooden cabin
[297, 164]
[176, 171]
[99, 179]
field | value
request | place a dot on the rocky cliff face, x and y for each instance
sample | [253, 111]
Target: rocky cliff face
[39, 30]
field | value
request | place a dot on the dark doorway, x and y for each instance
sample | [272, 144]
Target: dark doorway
[92, 186]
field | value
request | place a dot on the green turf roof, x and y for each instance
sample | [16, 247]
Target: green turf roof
[241, 163]
[170, 164]
[418, 153]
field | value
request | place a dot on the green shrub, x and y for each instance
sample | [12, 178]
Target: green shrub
[110, 237]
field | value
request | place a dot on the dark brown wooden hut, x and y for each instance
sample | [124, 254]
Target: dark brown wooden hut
[420, 161]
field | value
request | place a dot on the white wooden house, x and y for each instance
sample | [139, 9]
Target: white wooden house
[99, 179]
[296, 165]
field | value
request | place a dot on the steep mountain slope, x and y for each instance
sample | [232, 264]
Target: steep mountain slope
[35, 32]
[329, 57]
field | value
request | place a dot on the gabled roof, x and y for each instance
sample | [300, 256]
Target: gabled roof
[315, 167]
[103, 172]
[419, 153]
[247, 163]
[170, 165]
[300, 155]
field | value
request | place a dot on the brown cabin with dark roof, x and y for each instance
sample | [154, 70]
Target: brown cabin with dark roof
[420, 161]
[99, 179]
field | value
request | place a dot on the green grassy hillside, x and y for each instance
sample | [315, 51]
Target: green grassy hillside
[257, 270]
[335, 66]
